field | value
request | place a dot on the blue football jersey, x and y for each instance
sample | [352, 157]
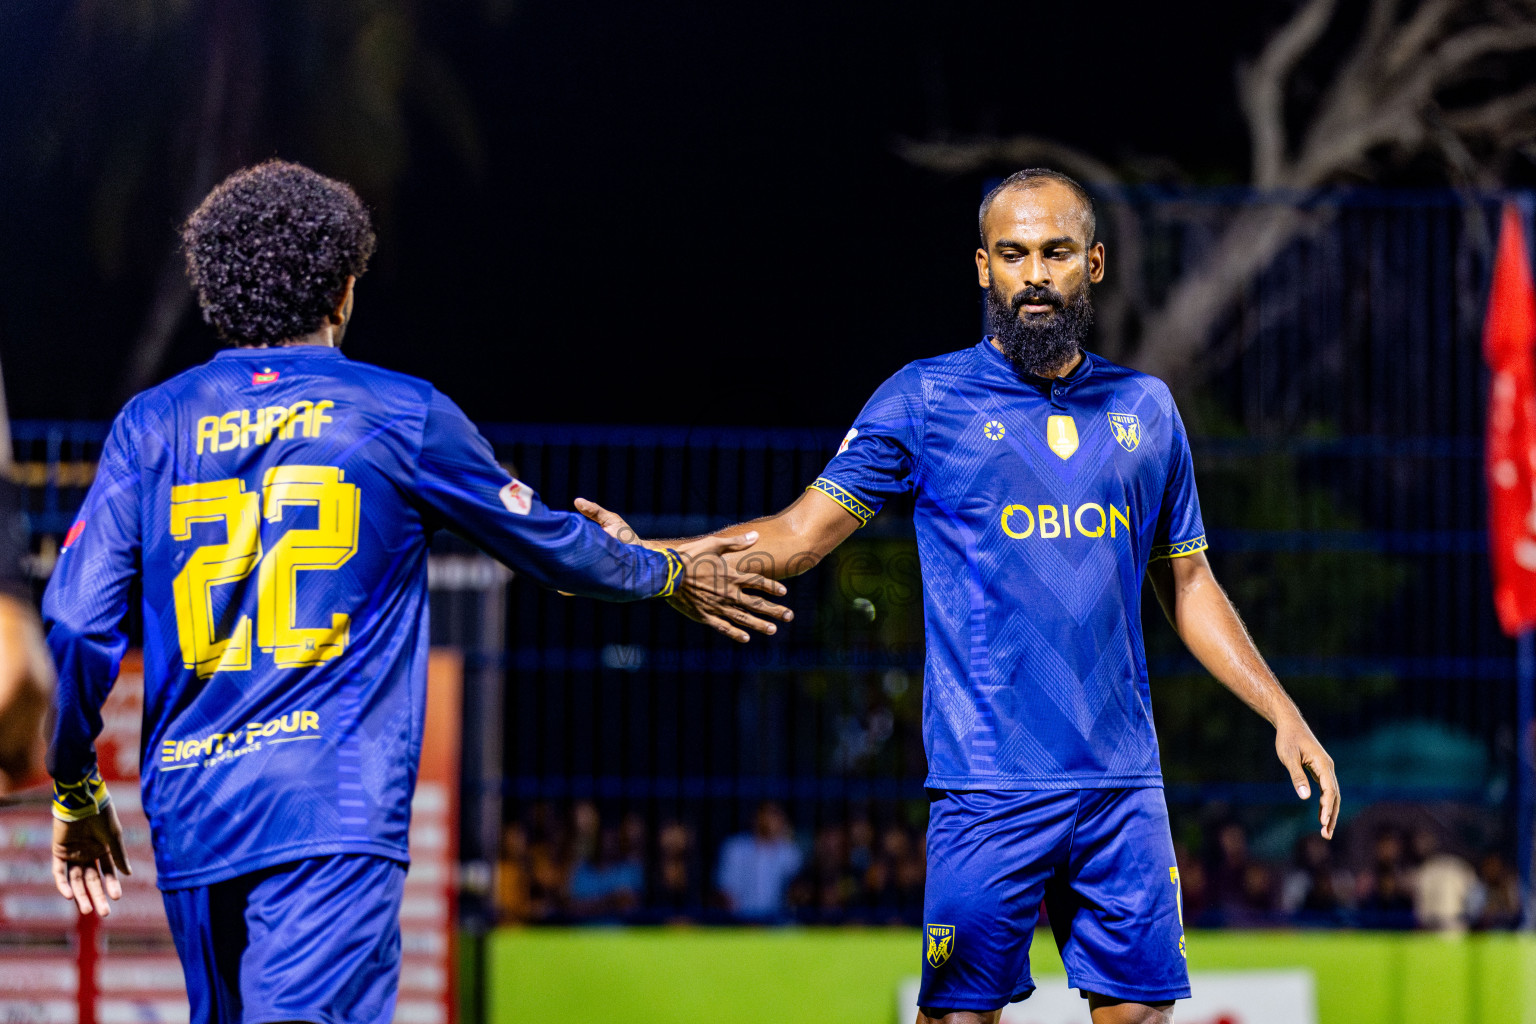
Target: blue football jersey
[1037, 505]
[278, 504]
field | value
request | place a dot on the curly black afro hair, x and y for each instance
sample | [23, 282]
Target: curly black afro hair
[269, 251]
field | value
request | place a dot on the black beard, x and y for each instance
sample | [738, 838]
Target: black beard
[1039, 343]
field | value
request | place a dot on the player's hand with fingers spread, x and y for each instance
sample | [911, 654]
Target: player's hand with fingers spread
[711, 589]
[1300, 753]
[87, 856]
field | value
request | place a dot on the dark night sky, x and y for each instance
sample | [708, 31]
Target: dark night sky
[689, 212]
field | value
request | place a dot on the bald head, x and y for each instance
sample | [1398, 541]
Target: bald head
[1037, 178]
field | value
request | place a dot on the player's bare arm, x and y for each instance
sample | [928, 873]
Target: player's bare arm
[789, 542]
[786, 544]
[1206, 621]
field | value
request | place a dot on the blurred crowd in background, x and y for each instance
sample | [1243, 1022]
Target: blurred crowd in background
[571, 863]
[1393, 876]
[562, 864]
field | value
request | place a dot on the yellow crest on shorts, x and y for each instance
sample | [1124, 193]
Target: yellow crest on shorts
[941, 943]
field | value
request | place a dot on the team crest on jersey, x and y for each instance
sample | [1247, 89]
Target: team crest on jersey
[941, 943]
[853, 433]
[264, 376]
[1127, 428]
[1061, 435]
[994, 430]
[518, 497]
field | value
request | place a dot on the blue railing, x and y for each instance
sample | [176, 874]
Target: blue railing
[679, 481]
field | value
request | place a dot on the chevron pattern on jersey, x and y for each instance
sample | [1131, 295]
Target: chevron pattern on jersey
[277, 505]
[1032, 562]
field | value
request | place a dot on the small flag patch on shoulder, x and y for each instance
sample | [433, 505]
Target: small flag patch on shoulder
[517, 497]
[74, 534]
[264, 376]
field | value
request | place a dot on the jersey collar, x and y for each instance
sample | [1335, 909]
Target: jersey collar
[280, 352]
[1045, 385]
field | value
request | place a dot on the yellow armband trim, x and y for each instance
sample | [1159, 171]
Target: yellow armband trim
[1179, 550]
[839, 494]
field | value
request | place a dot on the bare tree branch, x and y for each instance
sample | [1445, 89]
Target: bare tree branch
[1495, 116]
[1261, 87]
[1364, 82]
[1427, 22]
[1015, 151]
[1383, 100]
[1453, 55]
[1465, 168]
[1363, 113]
[1178, 333]
[1378, 23]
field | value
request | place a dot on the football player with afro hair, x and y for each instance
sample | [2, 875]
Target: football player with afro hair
[273, 251]
[277, 504]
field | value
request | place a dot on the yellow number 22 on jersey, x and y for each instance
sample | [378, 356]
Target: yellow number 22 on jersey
[327, 546]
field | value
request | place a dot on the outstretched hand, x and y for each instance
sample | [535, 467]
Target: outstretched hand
[711, 589]
[612, 523]
[87, 855]
[1300, 753]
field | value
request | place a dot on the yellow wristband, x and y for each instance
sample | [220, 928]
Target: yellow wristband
[674, 570]
[75, 801]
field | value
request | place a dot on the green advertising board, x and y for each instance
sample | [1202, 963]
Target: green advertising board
[849, 975]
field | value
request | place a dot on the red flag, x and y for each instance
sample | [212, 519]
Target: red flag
[1509, 345]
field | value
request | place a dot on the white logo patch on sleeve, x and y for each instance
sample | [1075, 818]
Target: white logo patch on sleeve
[846, 438]
[518, 497]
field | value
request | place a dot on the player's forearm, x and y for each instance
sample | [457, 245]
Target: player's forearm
[796, 539]
[788, 542]
[87, 662]
[784, 547]
[1210, 627]
[85, 679]
[573, 556]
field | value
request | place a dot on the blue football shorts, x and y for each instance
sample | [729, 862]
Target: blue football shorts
[315, 940]
[1100, 859]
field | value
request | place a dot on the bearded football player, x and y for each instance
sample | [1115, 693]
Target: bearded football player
[1048, 484]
